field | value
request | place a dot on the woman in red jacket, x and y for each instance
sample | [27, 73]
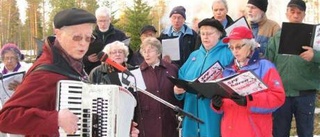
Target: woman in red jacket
[251, 115]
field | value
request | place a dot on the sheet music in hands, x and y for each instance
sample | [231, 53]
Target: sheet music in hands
[241, 83]
[171, 48]
[139, 79]
[245, 83]
[6, 79]
[212, 73]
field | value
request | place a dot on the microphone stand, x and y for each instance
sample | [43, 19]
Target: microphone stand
[174, 107]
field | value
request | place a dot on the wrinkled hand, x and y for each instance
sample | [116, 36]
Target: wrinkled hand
[308, 54]
[240, 100]
[134, 130]
[216, 102]
[93, 57]
[13, 85]
[167, 58]
[178, 90]
[67, 121]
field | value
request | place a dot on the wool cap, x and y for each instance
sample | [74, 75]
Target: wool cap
[146, 28]
[73, 16]
[213, 23]
[11, 47]
[179, 10]
[261, 4]
[238, 33]
[300, 4]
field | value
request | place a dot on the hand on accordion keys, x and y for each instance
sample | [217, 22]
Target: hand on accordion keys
[67, 121]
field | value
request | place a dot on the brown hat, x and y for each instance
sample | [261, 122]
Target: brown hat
[71, 17]
[179, 10]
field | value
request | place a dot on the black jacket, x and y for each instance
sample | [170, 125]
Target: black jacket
[102, 39]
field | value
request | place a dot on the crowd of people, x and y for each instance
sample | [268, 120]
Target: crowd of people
[292, 81]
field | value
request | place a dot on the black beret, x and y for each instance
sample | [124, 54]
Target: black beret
[72, 16]
[213, 23]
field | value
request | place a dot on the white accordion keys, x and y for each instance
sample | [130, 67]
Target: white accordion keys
[103, 110]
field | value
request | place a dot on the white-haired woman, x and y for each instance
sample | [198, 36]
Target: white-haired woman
[249, 116]
[105, 73]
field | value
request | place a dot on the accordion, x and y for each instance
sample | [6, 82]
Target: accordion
[103, 110]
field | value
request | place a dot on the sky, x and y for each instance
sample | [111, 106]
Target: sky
[202, 9]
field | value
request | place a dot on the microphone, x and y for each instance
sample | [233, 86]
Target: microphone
[104, 58]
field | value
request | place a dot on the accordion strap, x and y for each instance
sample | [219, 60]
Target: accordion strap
[57, 70]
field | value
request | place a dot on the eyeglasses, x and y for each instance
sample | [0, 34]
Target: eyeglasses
[9, 58]
[117, 51]
[87, 39]
[207, 33]
[237, 47]
[147, 51]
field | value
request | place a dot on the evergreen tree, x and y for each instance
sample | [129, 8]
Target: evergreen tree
[9, 22]
[136, 18]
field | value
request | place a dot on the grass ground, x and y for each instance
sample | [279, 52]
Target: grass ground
[316, 121]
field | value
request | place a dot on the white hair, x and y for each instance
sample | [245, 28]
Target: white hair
[116, 45]
[252, 43]
[103, 11]
[224, 2]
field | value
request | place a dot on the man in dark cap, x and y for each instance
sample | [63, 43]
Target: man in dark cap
[262, 27]
[187, 36]
[211, 50]
[31, 111]
[300, 75]
[145, 32]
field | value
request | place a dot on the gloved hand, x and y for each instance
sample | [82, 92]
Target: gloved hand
[216, 102]
[240, 100]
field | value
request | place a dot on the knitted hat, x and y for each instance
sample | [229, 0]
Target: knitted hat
[72, 16]
[179, 10]
[261, 4]
[11, 47]
[300, 4]
[239, 33]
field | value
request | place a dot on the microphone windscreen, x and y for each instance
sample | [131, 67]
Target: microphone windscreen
[102, 56]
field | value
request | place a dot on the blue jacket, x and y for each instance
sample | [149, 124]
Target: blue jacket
[199, 61]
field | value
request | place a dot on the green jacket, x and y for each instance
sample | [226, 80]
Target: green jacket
[296, 73]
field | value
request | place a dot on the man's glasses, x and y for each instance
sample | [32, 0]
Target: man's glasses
[87, 39]
[237, 47]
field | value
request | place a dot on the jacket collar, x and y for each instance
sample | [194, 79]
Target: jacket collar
[252, 64]
[187, 31]
[145, 66]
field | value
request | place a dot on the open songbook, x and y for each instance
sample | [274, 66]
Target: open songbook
[244, 83]
[295, 35]
[5, 92]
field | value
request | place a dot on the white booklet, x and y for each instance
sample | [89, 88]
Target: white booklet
[239, 22]
[5, 92]
[138, 81]
[171, 48]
